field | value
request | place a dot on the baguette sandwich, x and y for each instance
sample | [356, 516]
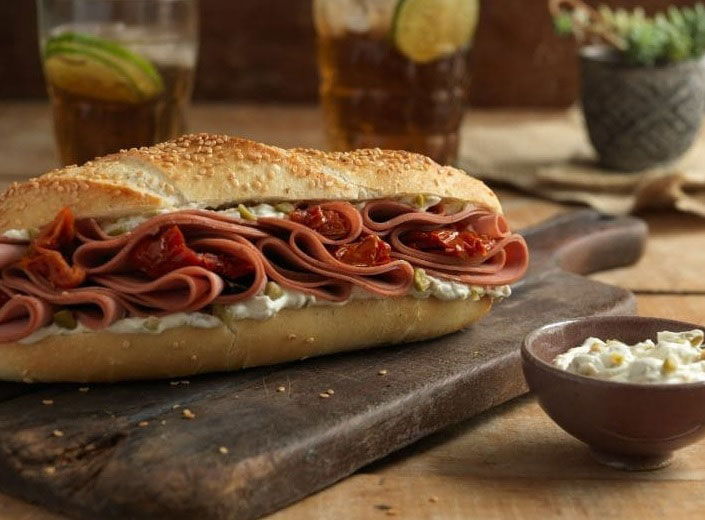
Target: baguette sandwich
[212, 253]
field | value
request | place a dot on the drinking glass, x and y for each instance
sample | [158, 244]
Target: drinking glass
[119, 72]
[394, 72]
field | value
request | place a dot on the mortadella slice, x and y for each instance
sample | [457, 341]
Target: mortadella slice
[22, 315]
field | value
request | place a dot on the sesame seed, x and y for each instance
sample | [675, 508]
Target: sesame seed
[57, 433]
[126, 344]
[174, 383]
[188, 414]
[433, 499]
[330, 391]
[49, 470]
[310, 339]
[185, 382]
[176, 406]
[382, 372]
[162, 422]
[84, 389]
[281, 389]
[324, 395]
[291, 336]
[392, 512]
[142, 424]
[47, 401]
[223, 450]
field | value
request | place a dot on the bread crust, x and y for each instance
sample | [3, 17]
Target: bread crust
[290, 335]
[216, 170]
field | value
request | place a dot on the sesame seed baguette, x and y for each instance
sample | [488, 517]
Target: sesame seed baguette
[216, 170]
[292, 334]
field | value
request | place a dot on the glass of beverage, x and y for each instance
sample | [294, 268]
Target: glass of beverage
[394, 72]
[119, 72]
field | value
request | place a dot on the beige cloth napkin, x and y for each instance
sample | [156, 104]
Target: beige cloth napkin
[551, 156]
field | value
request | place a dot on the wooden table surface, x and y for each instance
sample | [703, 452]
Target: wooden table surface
[511, 462]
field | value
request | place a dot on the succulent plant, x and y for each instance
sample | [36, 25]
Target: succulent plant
[674, 35]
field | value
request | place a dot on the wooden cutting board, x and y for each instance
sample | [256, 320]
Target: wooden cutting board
[125, 451]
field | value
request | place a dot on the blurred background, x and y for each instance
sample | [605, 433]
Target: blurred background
[264, 51]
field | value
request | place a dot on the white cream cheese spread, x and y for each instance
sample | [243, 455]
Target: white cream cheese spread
[17, 234]
[151, 325]
[263, 306]
[676, 357]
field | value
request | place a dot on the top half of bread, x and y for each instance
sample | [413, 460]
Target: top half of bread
[216, 170]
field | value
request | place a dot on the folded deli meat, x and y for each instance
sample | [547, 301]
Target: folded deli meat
[211, 253]
[188, 260]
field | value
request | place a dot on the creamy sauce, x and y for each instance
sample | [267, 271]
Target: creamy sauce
[262, 307]
[676, 357]
[151, 325]
[451, 290]
[17, 234]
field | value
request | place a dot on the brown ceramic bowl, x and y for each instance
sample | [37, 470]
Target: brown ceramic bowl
[627, 425]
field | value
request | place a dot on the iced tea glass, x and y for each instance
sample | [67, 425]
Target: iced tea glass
[119, 72]
[394, 73]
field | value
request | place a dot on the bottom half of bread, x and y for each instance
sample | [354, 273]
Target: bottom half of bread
[290, 335]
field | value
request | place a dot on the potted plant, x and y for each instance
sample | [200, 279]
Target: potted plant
[643, 80]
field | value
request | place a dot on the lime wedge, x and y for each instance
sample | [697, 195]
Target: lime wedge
[425, 30]
[101, 69]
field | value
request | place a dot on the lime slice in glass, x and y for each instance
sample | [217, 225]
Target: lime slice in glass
[100, 69]
[425, 30]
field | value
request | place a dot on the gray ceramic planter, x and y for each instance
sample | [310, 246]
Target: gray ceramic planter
[639, 117]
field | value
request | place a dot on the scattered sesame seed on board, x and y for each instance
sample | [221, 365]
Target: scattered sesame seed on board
[49, 470]
[57, 433]
[281, 389]
[324, 395]
[223, 450]
[310, 339]
[330, 391]
[382, 372]
[142, 424]
[392, 512]
[433, 499]
[187, 414]
[291, 336]
[84, 389]
[176, 406]
[47, 402]
[185, 382]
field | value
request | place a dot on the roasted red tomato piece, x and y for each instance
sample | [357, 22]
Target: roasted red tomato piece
[168, 251]
[329, 223]
[49, 252]
[367, 252]
[449, 241]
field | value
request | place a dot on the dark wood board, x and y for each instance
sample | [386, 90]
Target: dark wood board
[283, 446]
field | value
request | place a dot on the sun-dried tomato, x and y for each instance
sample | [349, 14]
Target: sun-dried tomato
[49, 253]
[329, 223]
[369, 251]
[158, 255]
[449, 241]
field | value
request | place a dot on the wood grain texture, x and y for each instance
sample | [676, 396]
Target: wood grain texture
[125, 451]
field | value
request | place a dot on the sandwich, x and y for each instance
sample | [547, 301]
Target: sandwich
[214, 253]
